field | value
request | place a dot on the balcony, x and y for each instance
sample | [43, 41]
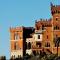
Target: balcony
[39, 31]
[36, 48]
[47, 47]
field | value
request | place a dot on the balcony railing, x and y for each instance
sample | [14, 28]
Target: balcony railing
[36, 47]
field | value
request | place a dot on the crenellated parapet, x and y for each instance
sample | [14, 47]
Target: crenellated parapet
[55, 9]
[13, 29]
[43, 23]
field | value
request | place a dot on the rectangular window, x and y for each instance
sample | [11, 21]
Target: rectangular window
[38, 36]
[47, 36]
[16, 46]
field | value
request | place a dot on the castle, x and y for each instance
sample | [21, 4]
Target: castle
[33, 40]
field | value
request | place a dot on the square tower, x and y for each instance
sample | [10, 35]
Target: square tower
[18, 37]
[16, 41]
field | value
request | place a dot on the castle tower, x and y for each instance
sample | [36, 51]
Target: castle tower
[16, 41]
[18, 37]
[50, 28]
[55, 11]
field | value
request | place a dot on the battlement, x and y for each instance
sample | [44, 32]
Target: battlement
[12, 29]
[55, 9]
[43, 21]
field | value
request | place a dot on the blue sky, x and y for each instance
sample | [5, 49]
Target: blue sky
[15, 13]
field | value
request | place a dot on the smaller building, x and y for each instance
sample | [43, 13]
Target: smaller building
[34, 44]
[29, 46]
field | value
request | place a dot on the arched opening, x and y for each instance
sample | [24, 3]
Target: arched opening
[38, 44]
[16, 47]
[34, 53]
[47, 44]
[29, 45]
[16, 36]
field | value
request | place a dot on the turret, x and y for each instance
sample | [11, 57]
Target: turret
[55, 9]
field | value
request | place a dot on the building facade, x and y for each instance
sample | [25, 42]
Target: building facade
[18, 37]
[34, 40]
[52, 29]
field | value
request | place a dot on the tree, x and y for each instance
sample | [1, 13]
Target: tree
[3, 57]
[57, 41]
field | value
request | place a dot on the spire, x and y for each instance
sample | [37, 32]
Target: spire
[35, 21]
[51, 4]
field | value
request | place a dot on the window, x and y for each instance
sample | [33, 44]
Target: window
[56, 28]
[26, 46]
[56, 45]
[56, 11]
[47, 44]
[56, 35]
[38, 36]
[16, 46]
[38, 44]
[56, 19]
[16, 36]
[34, 52]
[29, 45]
[47, 36]
[53, 12]
[42, 27]
[37, 28]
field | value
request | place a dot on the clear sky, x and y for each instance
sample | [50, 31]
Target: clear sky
[15, 13]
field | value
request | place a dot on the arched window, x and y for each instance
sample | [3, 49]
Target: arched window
[16, 46]
[29, 45]
[16, 36]
[42, 27]
[56, 19]
[56, 11]
[38, 44]
[38, 36]
[34, 52]
[56, 45]
[47, 36]
[53, 12]
[47, 44]
[56, 27]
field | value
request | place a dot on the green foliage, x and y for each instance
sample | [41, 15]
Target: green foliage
[41, 56]
[3, 58]
[44, 56]
[18, 58]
